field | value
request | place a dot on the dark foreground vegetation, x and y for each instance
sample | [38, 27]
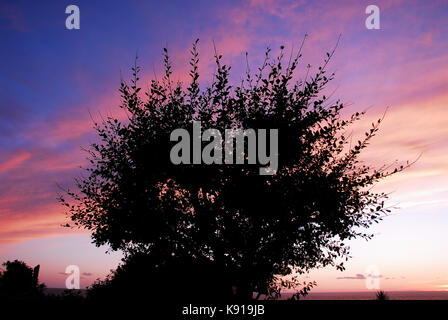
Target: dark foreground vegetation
[20, 292]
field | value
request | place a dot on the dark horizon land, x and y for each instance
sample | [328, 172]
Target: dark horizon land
[239, 152]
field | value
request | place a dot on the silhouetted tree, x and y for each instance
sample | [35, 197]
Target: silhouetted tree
[249, 229]
[18, 279]
[381, 295]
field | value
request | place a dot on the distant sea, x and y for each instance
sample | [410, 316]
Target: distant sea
[363, 295]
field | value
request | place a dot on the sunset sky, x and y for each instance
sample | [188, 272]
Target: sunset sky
[51, 79]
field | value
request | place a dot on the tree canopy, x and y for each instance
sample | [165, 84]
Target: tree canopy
[253, 229]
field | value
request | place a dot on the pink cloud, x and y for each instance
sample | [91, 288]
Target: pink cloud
[14, 162]
[43, 222]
